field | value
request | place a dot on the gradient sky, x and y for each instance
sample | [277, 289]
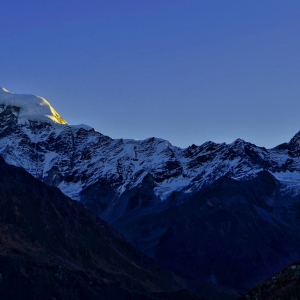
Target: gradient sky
[184, 70]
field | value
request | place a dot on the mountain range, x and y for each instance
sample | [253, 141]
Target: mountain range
[223, 215]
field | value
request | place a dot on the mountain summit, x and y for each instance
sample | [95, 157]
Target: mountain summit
[29, 107]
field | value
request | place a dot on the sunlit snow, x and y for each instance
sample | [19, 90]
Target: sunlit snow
[33, 108]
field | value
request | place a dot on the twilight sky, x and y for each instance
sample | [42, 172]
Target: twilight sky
[187, 71]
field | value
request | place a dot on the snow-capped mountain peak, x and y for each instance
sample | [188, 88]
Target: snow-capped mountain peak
[29, 107]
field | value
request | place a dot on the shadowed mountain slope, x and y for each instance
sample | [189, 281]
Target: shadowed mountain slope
[232, 233]
[52, 247]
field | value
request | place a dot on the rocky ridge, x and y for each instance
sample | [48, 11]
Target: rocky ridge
[74, 158]
[284, 285]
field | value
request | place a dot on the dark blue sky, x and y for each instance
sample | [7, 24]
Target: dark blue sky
[187, 71]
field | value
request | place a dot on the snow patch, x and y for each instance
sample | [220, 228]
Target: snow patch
[287, 176]
[71, 189]
[169, 186]
[48, 159]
